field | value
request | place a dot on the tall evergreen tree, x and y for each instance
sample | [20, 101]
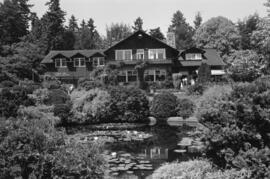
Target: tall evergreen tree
[198, 20]
[246, 28]
[157, 33]
[53, 26]
[138, 23]
[267, 4]
[14, 20]
[183, 31]
[73, 25]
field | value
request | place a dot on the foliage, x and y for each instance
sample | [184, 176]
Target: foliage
[246, 28]
[138, 23]
[63, 111]
[211, 101]
[116, 32]
[57, 96]
[197, 169]
[238, 122]
[79, 161]
[204, 73]
[140, 67]
[245, 66]
[15, 16]
[191, 169]
[51, 82]
[183, 31]
[219, 33]
[40, 96]
[198, 20]
[89, 106]
[163, 105]
[128, 104]
[185, 108]
[11, 99]
[156, 33]
[196, 89]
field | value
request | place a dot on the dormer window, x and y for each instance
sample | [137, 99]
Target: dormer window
[140, 54]
[123, 54]
[79, 62]
[98, 62]
[60, 63]
[194, 56]
[156, 54]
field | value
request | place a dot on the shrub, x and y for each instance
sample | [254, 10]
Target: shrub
[191, 169]
[197, 169]
[163, 105]
[63, 111]
[11, 99]
[51, 82]
[212, 101]
[128, 104]
[196, 89]
[204, 73]
[185, 108]
[88, 84]
[57, 96]
[7, 84]
[236, 120]
[40, 96]
[91, 106]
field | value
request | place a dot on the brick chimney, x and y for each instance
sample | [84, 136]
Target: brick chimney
[171, 39]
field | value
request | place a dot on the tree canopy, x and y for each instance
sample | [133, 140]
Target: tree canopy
[156, 33]
[219, 33]
[183, 31]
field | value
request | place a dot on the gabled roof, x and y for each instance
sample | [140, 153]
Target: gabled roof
[212, 58]
[70, 53]
[138, 33]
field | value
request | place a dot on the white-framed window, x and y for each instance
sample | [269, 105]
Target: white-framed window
[127, 76]
[79, 62]
[140, 54]
[60, 62]
[123, 54]
[157, 54]
[193, 56]
[98, 62]
[155, 75]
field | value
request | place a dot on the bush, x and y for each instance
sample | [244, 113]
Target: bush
[7, 84]
[12, 98]
[88, 84]
[63, 111]
[128, 104]
[235, 120]
[212, 101]
[57, 96]
[89, 106]
[191, 169]
[197, 169]
[177, 80]
[40, 96]
[163, 105]
[196, 89]
[185, 108]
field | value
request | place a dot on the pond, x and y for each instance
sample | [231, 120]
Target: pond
[135, 154]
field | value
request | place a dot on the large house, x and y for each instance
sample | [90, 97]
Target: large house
[163, 60]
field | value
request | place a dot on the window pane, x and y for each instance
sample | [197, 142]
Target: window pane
[151, 54]
[64, 62]
[76, 62]
[119, 55]
[101, 61]
[128, 55]
[82, 62]
[57, 62]
[161, 53]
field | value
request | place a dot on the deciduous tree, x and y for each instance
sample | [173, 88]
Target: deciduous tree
[156, 33]
[138, 23]
[219, 33]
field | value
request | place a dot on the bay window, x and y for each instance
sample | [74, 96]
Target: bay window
[79, 62]
[156, 54]
[60, 62]
[123, 55]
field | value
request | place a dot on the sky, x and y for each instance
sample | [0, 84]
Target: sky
[155, 13]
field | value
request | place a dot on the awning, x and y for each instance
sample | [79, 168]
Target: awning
[218, 72]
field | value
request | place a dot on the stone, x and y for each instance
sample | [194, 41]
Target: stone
[129, 172]
[115, 174]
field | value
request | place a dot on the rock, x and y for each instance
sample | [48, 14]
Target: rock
[129, 172]
[115, 174]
